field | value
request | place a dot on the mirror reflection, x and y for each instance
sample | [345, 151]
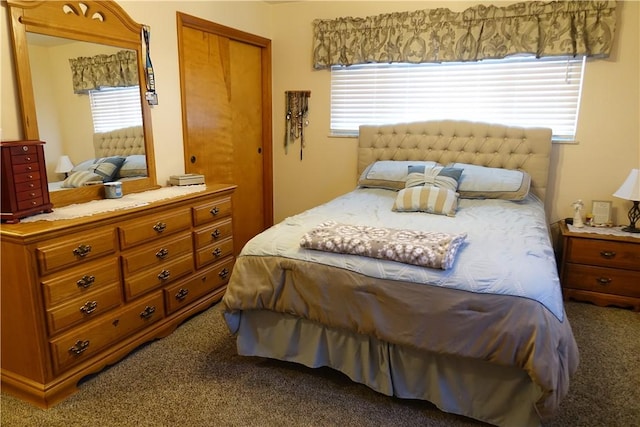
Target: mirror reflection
[70, 89]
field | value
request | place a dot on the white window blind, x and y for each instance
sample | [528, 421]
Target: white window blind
[517, 91]
[115, 108]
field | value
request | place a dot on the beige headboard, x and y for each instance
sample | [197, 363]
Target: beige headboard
[119, 142]
[447, 141]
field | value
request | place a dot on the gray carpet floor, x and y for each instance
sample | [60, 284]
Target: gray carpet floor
[195, 378]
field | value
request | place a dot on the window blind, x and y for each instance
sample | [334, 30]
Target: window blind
[517, 91]
[115, 108]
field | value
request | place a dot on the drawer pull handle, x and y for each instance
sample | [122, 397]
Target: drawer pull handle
[28, 159]
[82, 251]
[162, 253]
[160, 227]
[607, 254]
[86, 281]
[79, 347]
[148, 312]
[215, 234]
[604, 281]
[164, 275]
[216, 252]
[215, 210]
[223, 273]
[182, 294]
[89, 307]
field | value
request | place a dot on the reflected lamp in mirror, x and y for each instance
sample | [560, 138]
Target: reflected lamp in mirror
[64, 166]
[630, 190]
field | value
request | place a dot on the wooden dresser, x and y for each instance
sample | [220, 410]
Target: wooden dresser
[78, 295]
[601, 268]
[24, 180]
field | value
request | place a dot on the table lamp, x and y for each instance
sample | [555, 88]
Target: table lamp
[64, 165]
[630, 190]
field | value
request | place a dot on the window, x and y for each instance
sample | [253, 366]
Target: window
[516, 91]
[115, 108]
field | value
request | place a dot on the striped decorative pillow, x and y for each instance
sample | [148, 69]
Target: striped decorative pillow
[441, 201]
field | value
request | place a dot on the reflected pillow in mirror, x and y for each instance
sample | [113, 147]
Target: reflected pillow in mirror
[134, 165]
[107, 167]
[80, 178]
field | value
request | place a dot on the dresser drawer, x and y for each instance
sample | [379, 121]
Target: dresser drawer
[144, 281]
[183, 294]
[23, 149]
[82, 309]
[83, 343]
[25, 168]
[147, 229]
[605, 253]
[29, 194]
[602, 279]
[212, 211]
[29, 185]
[24, 158]
[81, 281]
[214, 233]
[214, 253]
[74, 250]
[157, 254]
[26, 177]
[31, 203]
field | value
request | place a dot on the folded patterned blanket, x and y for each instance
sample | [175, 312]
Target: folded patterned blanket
[424, 248]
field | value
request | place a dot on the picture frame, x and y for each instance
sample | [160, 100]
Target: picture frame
[601, 211]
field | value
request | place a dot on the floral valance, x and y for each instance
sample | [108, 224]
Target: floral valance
[574, 28]
[116, 70]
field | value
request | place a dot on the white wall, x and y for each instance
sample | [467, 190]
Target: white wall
[608, 132]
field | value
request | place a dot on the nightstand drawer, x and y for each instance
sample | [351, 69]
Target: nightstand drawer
[603, 280]
[604, 253]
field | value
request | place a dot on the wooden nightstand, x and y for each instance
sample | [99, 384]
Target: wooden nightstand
[601, 268]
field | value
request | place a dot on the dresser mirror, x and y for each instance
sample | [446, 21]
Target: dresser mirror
[75, 29]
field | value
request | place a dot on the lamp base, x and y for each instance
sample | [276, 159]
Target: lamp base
[634, 216]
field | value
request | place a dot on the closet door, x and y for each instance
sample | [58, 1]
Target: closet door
[225, 78]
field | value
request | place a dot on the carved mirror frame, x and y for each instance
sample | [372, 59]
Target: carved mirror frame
[103, 22]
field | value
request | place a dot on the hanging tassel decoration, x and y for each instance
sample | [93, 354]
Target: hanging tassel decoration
[296, 117]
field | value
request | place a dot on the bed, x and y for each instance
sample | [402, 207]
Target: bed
[473, 323]
[119, 156]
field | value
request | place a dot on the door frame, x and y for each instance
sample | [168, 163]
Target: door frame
[188, 21]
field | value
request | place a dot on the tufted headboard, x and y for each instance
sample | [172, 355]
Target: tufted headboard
[447, 141]
[119, 142]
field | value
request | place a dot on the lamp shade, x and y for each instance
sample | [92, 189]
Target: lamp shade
[64, 165]
[630, 188]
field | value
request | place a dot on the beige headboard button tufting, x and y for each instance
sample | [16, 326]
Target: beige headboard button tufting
[449, 141]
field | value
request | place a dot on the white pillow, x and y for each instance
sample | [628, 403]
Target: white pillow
[389, 174]
[481, 182]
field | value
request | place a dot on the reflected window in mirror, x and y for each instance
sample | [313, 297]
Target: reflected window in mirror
[115, 108]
